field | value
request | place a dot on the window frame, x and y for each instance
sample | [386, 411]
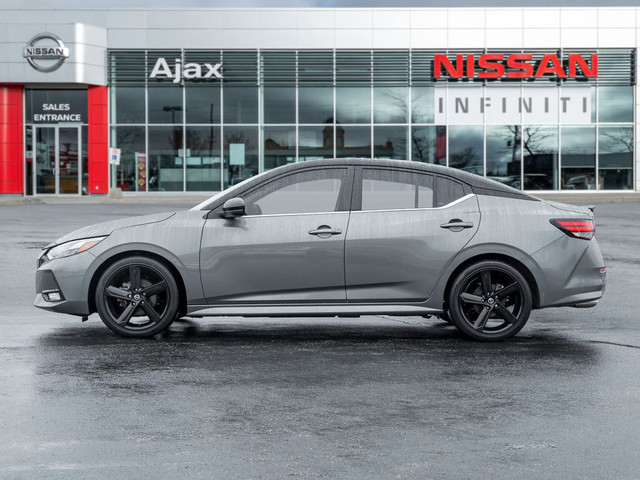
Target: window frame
[356, 204]
[343, 204]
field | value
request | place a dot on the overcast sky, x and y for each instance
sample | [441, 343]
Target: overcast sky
[82, 4]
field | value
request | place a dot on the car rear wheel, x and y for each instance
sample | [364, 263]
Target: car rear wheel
[137, 297]
[490, 301]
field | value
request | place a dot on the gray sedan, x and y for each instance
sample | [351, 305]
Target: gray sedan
[342, 237]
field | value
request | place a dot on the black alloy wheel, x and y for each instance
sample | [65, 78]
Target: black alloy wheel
[137, 297]
[490, 301]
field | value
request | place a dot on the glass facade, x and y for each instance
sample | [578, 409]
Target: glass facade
[274, 108]
[132, 142]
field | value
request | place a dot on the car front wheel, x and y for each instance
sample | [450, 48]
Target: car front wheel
[137, 297]
[490, 301]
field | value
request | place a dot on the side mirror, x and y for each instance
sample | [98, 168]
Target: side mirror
[232, 208]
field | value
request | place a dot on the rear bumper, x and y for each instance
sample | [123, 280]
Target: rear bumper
[590, 304]
[586, 283]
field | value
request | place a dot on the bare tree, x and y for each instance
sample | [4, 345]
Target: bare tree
[398, 98]
[463, 158]
[622, 137]
[195, 141]
[534, 141]
[421, 147]
[236, 137]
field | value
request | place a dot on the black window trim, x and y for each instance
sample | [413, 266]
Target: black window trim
[344, 197]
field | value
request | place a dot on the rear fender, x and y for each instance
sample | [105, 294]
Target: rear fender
[495, 251]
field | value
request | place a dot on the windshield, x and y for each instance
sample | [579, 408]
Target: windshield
[205, 205]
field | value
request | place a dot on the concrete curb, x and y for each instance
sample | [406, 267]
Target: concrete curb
[21, 201]
[103, 199]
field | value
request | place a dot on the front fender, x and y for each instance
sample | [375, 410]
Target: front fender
[176, 240]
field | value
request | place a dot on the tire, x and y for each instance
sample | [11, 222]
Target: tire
[137, 297]
[490, 301]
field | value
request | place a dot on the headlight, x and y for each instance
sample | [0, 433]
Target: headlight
[71, 248]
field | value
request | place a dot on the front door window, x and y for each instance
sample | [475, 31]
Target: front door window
[306, 192]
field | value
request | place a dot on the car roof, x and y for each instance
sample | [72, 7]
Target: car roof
[480, 185]
[382, 162]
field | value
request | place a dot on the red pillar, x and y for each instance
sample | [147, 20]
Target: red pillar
[11, 140]
[98, 140]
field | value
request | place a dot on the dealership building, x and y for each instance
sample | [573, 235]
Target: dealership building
[195, 100]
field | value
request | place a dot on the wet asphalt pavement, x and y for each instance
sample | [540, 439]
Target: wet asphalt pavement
[374, 397]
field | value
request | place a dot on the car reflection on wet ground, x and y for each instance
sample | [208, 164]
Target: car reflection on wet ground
[369, 397]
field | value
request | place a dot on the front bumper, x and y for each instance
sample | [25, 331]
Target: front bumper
[62, 306]
[62, 285]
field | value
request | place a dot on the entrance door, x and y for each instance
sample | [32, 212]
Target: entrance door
[56, 151]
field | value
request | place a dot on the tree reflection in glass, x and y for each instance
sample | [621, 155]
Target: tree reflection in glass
[503, 154]
[422, 105]
[615, 157]
[390, 105]
[466, 145]
[578, 158]
[540, 156]
[429, 144]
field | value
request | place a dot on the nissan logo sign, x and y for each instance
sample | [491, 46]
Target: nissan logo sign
[43, 55]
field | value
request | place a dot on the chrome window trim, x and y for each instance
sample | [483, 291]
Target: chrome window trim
[455, 202]
[460, 200]
[294, 214]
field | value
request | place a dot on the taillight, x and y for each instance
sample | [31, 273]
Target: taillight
[576, 227]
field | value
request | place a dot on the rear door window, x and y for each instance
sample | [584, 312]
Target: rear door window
[396, 190]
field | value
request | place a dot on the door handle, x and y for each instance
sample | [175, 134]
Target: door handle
[325, 231]
[457, 225]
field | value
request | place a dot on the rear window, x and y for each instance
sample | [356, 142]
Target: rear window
[447, 191]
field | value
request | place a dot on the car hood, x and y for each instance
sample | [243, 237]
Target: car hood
[106, 228]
